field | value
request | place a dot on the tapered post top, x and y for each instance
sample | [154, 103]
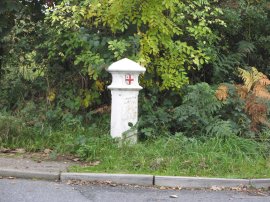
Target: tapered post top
[125, 73]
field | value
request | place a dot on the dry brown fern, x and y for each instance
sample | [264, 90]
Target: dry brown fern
[260, 91]
[254, 93]
[222, 92]
[242, 91]
[256, 108]
[257, 112]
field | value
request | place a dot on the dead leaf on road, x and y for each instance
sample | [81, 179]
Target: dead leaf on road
[216, 188]
[69, 182]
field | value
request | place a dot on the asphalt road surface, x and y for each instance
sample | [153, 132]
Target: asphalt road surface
[18, 190]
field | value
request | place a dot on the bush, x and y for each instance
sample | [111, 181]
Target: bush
[12, 130]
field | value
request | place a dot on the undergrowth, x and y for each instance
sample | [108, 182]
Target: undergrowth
[230, 156]
[214, 156]
[14, 133]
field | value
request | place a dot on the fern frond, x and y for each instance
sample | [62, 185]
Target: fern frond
[264, 81]
[257, 111]
[222, 92]
[260, 91]
[250, 77]
[247, 77]
[245, 47]
[219, 128]
[242, 91]
[256, 74]
[259, 88]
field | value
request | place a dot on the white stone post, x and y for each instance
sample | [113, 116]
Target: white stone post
[125, 90]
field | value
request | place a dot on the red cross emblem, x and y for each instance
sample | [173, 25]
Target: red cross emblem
[128, 79]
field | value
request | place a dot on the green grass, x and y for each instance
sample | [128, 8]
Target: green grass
[14, 133]
[230, 156]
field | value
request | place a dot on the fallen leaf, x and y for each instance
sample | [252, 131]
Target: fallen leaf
[47, 151]
[236, 188]
[76, 159]
[69, 182]
[4, 150]
[108, 182]
[216, 188]
[20, 151]
[95, 163]
[261, 194]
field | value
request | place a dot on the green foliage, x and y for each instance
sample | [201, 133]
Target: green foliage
[53, 81]
[7, 15]
[69, 138]
[199, 109]
[172, 37]
[200, 114]
[11, 129]
[227, 156]
[245, 39]
[155, 120]
[233, 110]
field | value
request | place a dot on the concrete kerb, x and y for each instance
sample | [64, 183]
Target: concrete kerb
[198, 182]
[167, 181]
[260, 183]
[201, 182]
[145, 180]
[30, 174]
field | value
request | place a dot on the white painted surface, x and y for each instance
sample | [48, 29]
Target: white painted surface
[125, 90]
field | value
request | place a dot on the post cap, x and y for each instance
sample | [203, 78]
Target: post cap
[125, 65]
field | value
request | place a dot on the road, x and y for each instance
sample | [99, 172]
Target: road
[19, 190]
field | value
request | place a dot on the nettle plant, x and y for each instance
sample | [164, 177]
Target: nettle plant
[255, 95]
[169, 37]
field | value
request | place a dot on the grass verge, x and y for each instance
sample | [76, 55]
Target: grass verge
[229, 157]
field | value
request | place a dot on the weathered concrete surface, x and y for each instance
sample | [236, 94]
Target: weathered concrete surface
[18, 190]
[198, 182]
[21, 190]
[260, 183]
[20, 163]
[116, 178]
[29, 174]
[20, 167]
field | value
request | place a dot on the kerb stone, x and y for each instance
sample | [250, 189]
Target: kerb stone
[198, 182]
[146, 180]
[260, 183]
[30, 174]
